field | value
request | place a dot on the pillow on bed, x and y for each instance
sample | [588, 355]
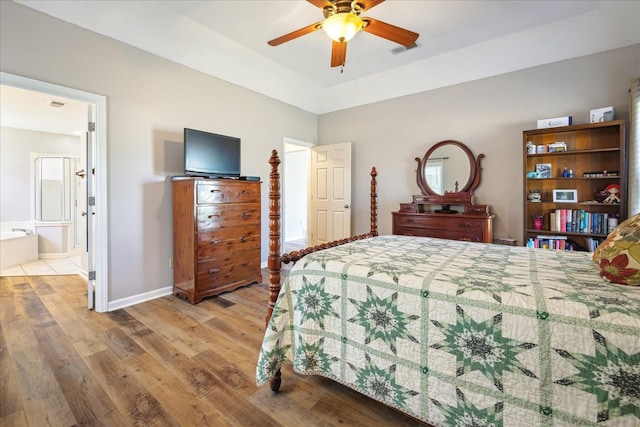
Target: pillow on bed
[619, 255]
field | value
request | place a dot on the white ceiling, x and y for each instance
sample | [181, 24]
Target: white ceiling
[459, 41]
[24, 109]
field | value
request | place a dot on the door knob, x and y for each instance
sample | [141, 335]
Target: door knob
[346, 206]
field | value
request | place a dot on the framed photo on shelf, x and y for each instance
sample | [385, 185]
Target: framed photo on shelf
[565, 196]
[543, 170]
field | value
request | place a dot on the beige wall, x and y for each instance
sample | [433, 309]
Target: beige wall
[16, 168]
[149, 102]
[488, 115]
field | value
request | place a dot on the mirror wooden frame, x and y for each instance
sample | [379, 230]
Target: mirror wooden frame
[475, 171]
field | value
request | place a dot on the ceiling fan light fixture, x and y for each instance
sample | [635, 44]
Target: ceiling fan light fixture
[341, 27]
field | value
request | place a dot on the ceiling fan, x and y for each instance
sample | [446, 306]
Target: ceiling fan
[343, 21]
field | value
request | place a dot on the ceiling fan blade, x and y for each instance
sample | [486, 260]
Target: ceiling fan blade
[338, 53]
[370, 4]
[295, 34]
[390, 32]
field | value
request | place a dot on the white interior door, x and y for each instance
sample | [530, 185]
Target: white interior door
[330, 195]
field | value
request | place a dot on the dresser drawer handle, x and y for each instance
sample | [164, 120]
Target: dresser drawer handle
[455, 200]
[214, 270]
[245, 192]
[246, 215]
[243, 238]
[409, 220]
[465, 224]
[215, 191]
[214, 216]
[244, 264]
[215, 241]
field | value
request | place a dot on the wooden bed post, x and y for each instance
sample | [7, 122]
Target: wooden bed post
[274, 263]
[276, 259]
[374, 203]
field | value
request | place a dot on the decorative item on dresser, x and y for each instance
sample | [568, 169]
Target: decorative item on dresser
[444, 165]
[583, 187]
[216, 236]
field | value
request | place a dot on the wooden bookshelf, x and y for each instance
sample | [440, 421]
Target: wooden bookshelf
[597, 155]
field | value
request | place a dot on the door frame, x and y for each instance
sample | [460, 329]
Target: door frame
[101, 229]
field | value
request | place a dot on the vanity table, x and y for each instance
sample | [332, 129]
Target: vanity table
[446, 214]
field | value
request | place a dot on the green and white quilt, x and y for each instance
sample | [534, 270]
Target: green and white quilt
[463, 334]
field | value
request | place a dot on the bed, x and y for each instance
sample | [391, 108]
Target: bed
[456, 333]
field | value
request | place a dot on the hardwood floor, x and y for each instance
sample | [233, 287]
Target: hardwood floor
[159, 363]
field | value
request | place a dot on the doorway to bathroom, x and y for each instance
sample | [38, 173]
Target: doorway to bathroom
[82, 227]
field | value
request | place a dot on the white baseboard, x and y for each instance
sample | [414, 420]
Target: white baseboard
[137, 299]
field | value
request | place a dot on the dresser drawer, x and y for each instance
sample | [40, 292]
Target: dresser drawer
[439, 233]
[408, 207]
[476, 209]
[224, 241]
[223, 271]
[447, 223]
[227, 192]
[227, 215]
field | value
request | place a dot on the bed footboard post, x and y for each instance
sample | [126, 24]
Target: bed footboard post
[274, 260]
[374, 202]
[274, 263]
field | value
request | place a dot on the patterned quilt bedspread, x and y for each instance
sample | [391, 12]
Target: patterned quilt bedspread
[457, 333]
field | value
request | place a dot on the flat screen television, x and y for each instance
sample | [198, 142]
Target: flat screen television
[211, 155]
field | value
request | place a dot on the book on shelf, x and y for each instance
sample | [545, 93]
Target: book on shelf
[542, 236]
[560, 243]
[592, 243]
[578, 221]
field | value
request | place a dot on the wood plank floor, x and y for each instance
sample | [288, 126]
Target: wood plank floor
[159, 363]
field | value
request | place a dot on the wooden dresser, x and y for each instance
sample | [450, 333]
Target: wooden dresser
[447, 164]
[473, 223]
[216, 236]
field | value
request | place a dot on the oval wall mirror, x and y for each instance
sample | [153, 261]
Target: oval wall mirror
[448, 167]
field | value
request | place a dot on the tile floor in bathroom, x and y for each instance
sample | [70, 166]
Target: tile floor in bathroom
[45, 267]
